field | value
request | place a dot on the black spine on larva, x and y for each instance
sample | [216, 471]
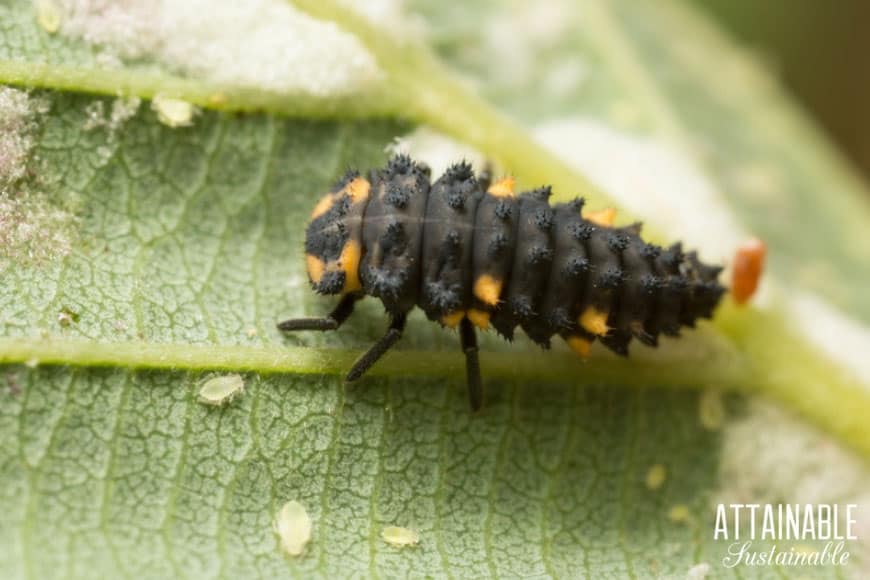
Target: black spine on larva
[530, 272]
[673, 287]
[447, 242]
[704, 291]
[565, 288]
[640, 288]
[392, 234]
[614, 280]
[639, 291]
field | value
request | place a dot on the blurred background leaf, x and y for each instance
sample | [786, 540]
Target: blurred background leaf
[818, 51]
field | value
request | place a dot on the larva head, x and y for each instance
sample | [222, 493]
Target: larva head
[332, 238]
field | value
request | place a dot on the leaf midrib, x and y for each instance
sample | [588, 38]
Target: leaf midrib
[728, 370]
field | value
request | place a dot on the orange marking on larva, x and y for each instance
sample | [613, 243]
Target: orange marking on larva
[748, 266]
[453, 319]
[323, 206]
[488, 289]
[358, 189]
[602, 217]
[348, 262]
[479, 318]
[579, 345]
[502, 187]
[594, 321]
[315, 267]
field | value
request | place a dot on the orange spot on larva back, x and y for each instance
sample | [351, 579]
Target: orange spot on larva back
[348, 262]
[748, 266]
[603, 217]
[315, 267]
[358, 189]
[502, 188]
[323, 206]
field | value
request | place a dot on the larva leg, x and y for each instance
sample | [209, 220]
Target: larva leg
[468, 339]
[329, 322]
[377, 350]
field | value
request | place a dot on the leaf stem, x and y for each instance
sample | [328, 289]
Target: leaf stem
[766, 361]
[148, 83]
[725, 371]
[783, 365]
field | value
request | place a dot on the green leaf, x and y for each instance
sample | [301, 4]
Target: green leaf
[140, 261]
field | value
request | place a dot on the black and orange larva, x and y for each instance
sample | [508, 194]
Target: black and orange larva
[474, 254]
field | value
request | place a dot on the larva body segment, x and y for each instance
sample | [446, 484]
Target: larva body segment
[474, 255]
[569, 271]
[448, 235]
[492, 252]
[392, 233]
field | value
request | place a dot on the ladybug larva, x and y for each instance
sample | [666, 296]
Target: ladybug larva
[474, 254]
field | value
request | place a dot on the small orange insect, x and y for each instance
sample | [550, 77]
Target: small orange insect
[748, 265]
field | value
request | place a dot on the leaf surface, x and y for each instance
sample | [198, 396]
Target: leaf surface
[183, 248]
